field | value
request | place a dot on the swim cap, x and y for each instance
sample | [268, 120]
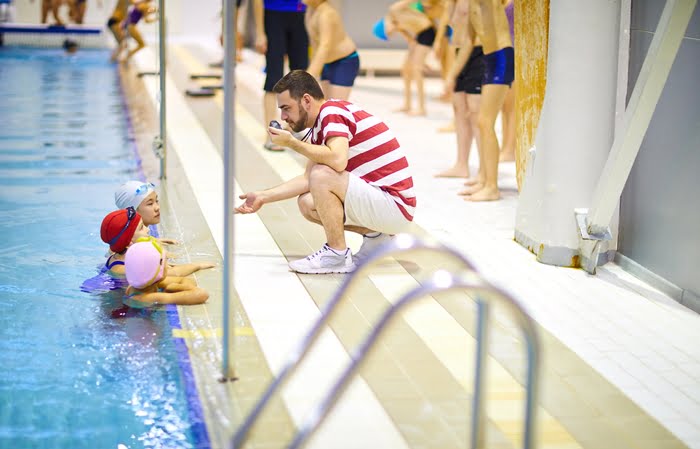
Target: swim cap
[379, 31]
[144, 263]
[118, 228]
[131, 193]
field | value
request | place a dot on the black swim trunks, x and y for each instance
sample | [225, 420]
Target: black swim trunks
[426, 37]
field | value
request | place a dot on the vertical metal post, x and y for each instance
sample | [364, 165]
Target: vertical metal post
[229, 30]
[477, 437]
[162, 70]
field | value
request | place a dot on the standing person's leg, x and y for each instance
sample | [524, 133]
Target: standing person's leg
[492, 97]
[297, 41]
[466, 99]
[274, 67]
[136, 35]
[463, 130]
[420, 53]
[406, 73]
[508, 125]
[46, 6]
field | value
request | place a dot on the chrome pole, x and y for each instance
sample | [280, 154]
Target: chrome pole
[162, 69]
[229, 159]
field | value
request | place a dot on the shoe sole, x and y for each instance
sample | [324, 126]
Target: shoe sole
[326, 270]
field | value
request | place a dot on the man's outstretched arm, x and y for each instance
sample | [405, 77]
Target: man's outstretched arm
[289, 189]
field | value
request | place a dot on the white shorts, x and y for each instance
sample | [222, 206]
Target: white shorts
[372, 208]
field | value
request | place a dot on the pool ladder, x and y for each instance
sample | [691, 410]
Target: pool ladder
[439, 281]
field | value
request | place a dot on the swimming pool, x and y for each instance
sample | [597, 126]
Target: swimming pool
[70, 375]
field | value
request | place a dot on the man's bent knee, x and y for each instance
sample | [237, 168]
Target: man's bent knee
[322, 174]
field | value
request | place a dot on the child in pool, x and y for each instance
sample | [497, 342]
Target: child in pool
[142, 196]
[152, 281]
[119, 230]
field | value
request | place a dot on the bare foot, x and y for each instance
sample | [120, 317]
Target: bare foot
[403, 109]
[473, 181]
[417, 113]
[449, 128]
[471, 190]
[454, 172]
[506, 157]
[485, 194]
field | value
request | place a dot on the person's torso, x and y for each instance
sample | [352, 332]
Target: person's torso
[491, 26]
[285, 5]
[374, 153]
[120, 9]
[340, 44]
[411, 20]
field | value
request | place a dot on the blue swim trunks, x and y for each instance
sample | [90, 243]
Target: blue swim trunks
[343, 71]
[499, 67]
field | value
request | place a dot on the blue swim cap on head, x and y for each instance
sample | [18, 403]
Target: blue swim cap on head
[379, 31]
[448, 32]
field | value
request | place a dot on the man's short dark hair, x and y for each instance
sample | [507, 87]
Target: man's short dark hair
[298, 83]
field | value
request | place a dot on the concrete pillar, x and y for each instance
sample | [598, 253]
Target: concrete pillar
[575, 130]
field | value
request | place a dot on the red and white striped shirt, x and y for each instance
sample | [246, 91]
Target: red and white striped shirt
[375, 155]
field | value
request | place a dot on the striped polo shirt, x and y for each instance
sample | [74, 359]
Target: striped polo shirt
[375, 155]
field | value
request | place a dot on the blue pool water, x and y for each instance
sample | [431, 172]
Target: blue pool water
[70, 375]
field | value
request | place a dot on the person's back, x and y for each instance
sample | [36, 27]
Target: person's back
[340, 43]
[407, 18]
[335, 60]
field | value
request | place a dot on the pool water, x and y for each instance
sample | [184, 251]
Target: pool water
[71, 376]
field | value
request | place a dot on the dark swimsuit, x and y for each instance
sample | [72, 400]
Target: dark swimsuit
[343, 71]
[113, 264]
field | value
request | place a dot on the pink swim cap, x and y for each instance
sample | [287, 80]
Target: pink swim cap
[144, 263]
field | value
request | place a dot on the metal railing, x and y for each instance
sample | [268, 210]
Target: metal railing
[440, 281]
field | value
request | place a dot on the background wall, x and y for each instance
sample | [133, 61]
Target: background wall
[660, 206]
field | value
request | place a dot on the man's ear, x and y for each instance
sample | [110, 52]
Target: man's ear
[306, 101]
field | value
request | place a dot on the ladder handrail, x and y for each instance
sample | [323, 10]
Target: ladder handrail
[441, 281]
[402, 243]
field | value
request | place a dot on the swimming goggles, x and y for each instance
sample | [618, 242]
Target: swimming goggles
[130, 214]
[153, 241]
[143, 188]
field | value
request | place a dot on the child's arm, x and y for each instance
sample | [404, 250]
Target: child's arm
[188, 268]
[442, 26]
[180, 286]
[191, 296]
[173, 280]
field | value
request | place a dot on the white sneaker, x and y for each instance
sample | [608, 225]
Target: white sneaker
[369, 244]
[324, 261]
